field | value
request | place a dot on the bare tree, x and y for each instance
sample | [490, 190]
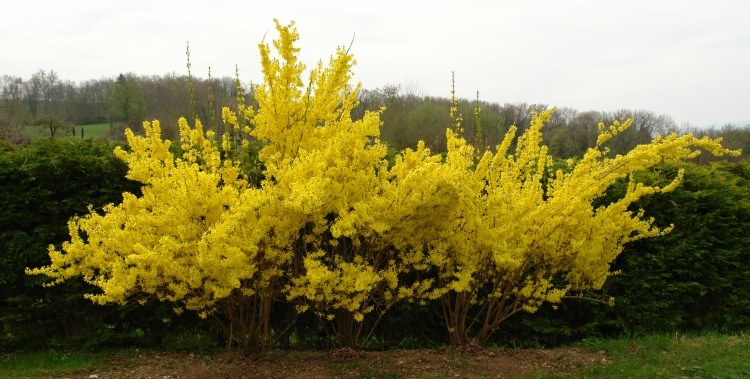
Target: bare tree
[11, 108]
[32, 90]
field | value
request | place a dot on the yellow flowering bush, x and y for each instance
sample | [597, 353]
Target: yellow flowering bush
[511, 233]
[332, 229]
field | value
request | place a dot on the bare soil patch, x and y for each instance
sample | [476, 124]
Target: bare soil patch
[347, 363]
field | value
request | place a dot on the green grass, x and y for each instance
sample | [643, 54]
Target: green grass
[45, 364]
[94, 130]
[664, 356]
[659, 356]
[100, 130]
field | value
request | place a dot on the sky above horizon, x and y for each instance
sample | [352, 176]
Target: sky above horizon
[686, 59]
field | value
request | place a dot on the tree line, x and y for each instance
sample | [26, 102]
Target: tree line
[123, 101]
[48, 101]
[409, 118]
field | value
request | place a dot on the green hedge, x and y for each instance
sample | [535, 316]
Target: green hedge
[43, 185]
[695, 278]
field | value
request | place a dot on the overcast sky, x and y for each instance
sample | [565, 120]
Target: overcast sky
[684, 58]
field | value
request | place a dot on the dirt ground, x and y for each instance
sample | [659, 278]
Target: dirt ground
[346, 363]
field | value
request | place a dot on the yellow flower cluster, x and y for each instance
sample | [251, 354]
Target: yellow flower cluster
[153, 243]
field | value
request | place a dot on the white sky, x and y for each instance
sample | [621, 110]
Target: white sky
[684, 58]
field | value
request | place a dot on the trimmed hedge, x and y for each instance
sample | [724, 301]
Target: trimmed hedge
[43, 185]
[695, 278]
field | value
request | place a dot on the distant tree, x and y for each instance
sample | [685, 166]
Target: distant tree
[426, 121]
[50, 90]
[90, 103]
[126, 101]
[167, 97]
[646, 126]
[733, 136]
[571, 132]
[66, 101]
[11, 107]
[51, 124]
[11, 94]
[32, 90]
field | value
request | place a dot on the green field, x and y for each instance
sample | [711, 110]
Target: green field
[94, 130]
[100, 130]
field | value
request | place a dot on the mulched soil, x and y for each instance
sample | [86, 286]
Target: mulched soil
[347, 363]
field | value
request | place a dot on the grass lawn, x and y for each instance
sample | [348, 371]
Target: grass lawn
[676, 356]
[93, 130]
[51, 363]
[658, 356]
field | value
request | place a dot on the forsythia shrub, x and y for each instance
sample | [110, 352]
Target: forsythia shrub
[525, 235]
[332, 229]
